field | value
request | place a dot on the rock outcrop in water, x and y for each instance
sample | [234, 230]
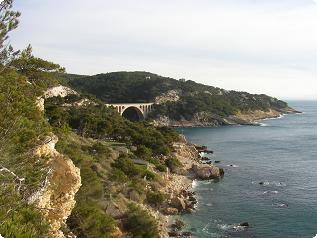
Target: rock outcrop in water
[205, 172]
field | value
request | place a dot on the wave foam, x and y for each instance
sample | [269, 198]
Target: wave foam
[270, 192]
[270, 183]
[280, 205]
[225, 226]
[207, 182]
[233, 227]
[264, 125]
[194, 183]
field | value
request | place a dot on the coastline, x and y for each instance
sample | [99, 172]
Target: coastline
[179, 187]
[240, 118]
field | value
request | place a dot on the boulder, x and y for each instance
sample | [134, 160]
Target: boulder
[173, 234]
[170, 211]
[178, 225]
[187, 234]
[192, 199]
[244, 224]
[207, 172]
[190, 205]
[179, 203]
[189, 210]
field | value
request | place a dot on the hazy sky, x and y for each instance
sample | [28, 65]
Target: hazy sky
[260, 46]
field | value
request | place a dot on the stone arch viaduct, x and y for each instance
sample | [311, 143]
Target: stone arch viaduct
[133, 111]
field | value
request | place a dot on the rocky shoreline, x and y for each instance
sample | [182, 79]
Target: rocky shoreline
[204, 119]
[182, 199]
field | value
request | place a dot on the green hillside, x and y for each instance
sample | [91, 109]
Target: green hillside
[193, 97]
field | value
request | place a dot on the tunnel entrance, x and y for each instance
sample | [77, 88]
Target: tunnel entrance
[133, 114]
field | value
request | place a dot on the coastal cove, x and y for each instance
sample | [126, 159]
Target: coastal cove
[269, 178]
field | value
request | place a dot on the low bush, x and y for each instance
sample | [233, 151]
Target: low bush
[140, 224]
[155, 198]
[89, 220]
[161, 167]
[173, 164]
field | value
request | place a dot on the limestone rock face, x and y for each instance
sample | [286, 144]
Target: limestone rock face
[61, 91]
[207, 172]
[48, 147]
[162, 121]
[179, 203]
[169, 96]
[40, 104]
[56, 197]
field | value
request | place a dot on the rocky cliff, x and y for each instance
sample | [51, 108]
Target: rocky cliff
[56, 196]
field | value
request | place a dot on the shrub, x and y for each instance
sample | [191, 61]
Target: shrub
[173, 164]
[149, 175]
[140, 224]
[118, 175]
[89, 220]
[19, 219]
[143, 152]
[155, 198]
[126, 165]
[161, 167]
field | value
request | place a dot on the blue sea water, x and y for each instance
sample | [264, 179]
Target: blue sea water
[282, 153]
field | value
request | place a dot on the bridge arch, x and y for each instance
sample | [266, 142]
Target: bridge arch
[133, 114]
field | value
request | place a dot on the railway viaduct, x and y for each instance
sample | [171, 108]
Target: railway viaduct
[133, 111]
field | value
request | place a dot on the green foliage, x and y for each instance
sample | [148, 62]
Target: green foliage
[155, 198]
[88, 220]
[18, 219]
[161, 167]
[173, 164]
[119, 176]
[123, 86]
[36, 69]
[100, 122]
[99, 148]
[22, 128]
[20, 120]
[143, 152]
[92, 188]
[140, 224]
[9, 21]
[194, 97]
[127, 166]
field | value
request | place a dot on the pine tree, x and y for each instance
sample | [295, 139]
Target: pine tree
[9, 20]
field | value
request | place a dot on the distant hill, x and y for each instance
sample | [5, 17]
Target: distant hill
[178, 100]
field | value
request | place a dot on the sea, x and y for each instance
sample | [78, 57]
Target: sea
[270, 178]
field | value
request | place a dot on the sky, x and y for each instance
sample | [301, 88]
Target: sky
[259, 46]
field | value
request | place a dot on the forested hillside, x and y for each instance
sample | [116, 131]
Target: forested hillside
[175, 99]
